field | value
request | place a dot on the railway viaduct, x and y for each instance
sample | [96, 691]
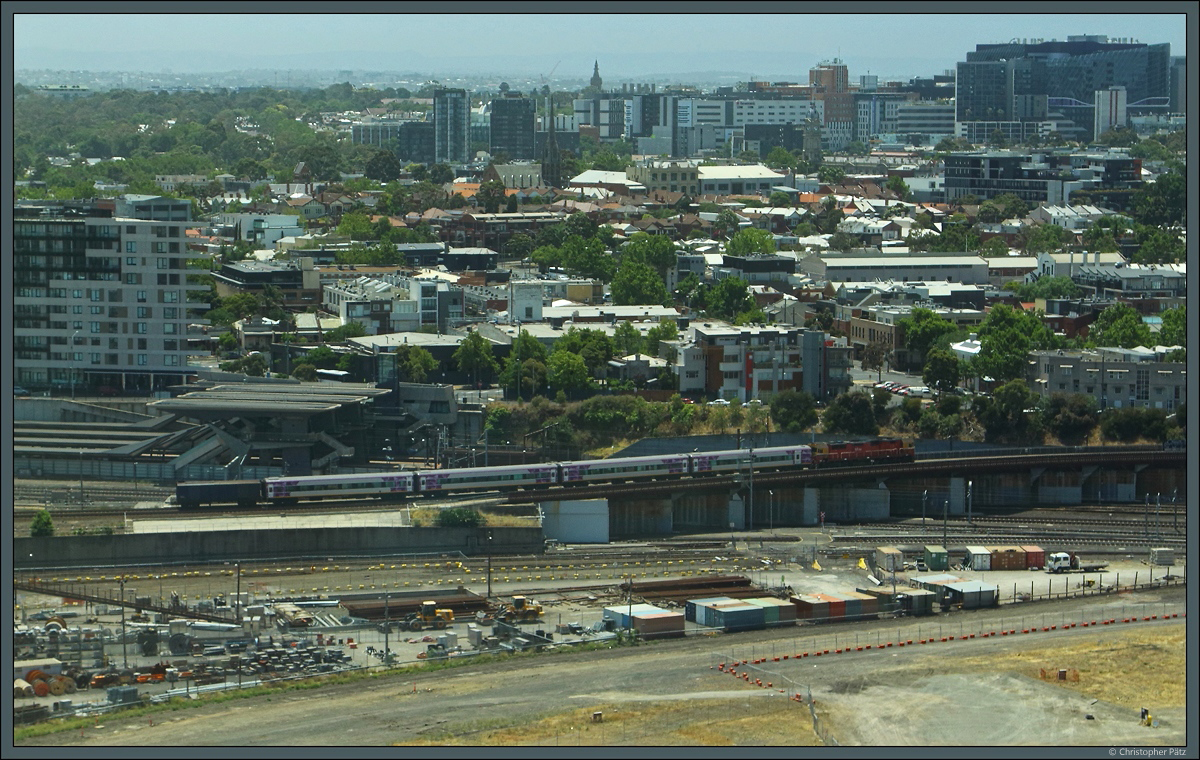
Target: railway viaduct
[1048, 476]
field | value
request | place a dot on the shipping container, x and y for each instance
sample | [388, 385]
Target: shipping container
[918, 601]
[1008, 558]
[890, 559]
[1035, 557]
[738, 617]
[936, 557]
[689, 609]
[619, 613]
[659, 625]
[972, 594]
[978, 558]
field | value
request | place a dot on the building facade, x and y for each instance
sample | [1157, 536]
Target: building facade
[451, 126]
[1117, 378]
[513, 126]
[101, 302]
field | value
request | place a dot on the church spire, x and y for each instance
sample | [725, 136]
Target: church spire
[597, 82]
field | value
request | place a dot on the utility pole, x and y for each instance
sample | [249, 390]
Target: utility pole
[124, 653]
[489, 550]
[969, 484]
[387, 628]
[945, 516]
[924, 501]
[752, 488]
[237, 599]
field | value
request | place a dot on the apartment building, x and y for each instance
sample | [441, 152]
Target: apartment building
[1116, 377]
[100, 302]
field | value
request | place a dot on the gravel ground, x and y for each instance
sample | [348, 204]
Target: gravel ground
[941, 695]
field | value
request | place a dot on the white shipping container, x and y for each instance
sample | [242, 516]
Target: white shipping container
[979, 558]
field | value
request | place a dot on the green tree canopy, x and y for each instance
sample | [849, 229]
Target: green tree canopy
[1059, 286]
[1174, 327]
[922, 328]
[941, 369]
[459, 517]
[750, 241]
[567, 372]
[728, 298]
[587, 258]
[852, 414]
[627, 339]
[1121, 326]
[793, 411]
[657, 251]
[474, 356]
[1003, 415]
[414, 363]
[637, 283]
[1071, 418]
[596, 348]
[383, 166]
[42, 524]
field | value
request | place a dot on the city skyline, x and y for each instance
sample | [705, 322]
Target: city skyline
[562, 46]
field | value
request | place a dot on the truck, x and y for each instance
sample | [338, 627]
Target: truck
[1069, 562]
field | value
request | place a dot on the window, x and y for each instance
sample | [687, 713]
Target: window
[171, 361]
[163, 262]
[170, 296]
[141, 296]
[77, 325]
[77, 309]
[141, 360]
[141, 344]
[94, 327]
[95, 358]
[133, 279]
[170, 328]
[97, 309]
[130, 246]
[131, 261]
[145, 312]
[78, 293]
[170, 345]
[140, 328]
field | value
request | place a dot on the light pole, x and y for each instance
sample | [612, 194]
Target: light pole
[73, 365]
[771, 509]
[489, 550]
[751, 461]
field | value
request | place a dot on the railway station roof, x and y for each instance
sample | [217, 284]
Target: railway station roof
[235, 399]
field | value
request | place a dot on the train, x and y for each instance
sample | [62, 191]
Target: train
[286, 490]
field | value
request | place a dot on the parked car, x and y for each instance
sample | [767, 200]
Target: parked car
[20, 392]
[108, 390]
[898, 389]
[886, 385]
[719, 402]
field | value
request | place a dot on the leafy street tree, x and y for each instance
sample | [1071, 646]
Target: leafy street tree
[666, 330]
[42, 525]
[852, 414]
[1131, 423]
[567, 372]
[440, 174]
[941, 370]
[728, 298]
[656, 251]
[414, 363]
[1121, 326]
[627, 339]
[580, 224]
[1003, 415]
[830, 175]
[474, 355]
[306, 372]
[518, 246]
[793, 411]
[637, 283]
[1174, 327]
[356, 225]
[750, 241]
[898, 186]
[780, 158]
[875, 355]
[587, 258]
[780, 199]
[844, 241]
[490, 196]
[596, 348]
[993, 246]
[526, 359]
[1006, 337]
[1043, 238]
[727, 223]
[921, 329]
[384, 167]
[1158, 246]
[1070, 418]
[321, 357]
[1045, 287]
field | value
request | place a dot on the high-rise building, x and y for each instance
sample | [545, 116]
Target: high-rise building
[513, 126]
[100, 300]
[451, 126]
[1110, 110]
[551, 159]
[1178, 84]
[411, 140]
[830, 83]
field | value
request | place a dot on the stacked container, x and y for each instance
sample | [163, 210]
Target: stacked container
[979, 558]
[1008, 558]
[811, 607]
[692, 612]
[737, 616]
[659, 625]
[1035, 557]
[775, 611]
[937, 558]
[890, 559]
[620, 613]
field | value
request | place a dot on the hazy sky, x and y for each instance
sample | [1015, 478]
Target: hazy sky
[627, 45]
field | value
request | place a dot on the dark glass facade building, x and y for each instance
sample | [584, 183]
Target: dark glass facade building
[513, 127]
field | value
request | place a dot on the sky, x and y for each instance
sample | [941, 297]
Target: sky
[627, 45]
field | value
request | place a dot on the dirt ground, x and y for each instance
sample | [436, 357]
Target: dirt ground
[975, 692]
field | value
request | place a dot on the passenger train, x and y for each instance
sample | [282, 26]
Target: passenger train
[404, 484]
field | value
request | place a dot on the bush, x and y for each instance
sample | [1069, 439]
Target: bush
[459, 517]
[42, 525]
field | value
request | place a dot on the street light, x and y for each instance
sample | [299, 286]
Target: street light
[74, 368]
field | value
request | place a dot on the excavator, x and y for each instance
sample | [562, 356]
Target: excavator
[522, 610]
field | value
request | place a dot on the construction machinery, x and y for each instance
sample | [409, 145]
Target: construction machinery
[427, 616]
[522, 610]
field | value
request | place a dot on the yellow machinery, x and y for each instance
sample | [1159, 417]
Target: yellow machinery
[429, 616]
[522, 610]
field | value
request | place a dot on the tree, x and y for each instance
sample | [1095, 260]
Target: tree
[1131, 423]
[780, 199]
[518, 246]
[414, 363]
[306, 372]
[1118, 137]
[850, 413]
[384, 166]
[727, 223]
[1121, 326]
[42, 525]
[594, 346]
[580, 224]
[474, 355]
[657, 251]
[321, 357]
[750, 241]
[356, 225]
[1003, 415]
[898, 186]
[1162, 202]
[459, 517]
[490, 196]
[856, 148]
[875, 355]
[994, 246]
[587, 258]
[844, 241]
[1070, 418]
[1174, 327]
[941, 370]
[440, 174]
[1158, 246]
[922, 328]
[830, 175]
[666, 330]
[637, 283]
[728, 298]
[1011, 206]
[1006, 336]
[793, 411]
[1045, 287]
[567, 372]
[627, 339]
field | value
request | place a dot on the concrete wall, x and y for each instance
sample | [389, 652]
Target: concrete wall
[580, 521]
[240, 545]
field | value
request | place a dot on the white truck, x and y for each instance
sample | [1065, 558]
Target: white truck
[1069, 562]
